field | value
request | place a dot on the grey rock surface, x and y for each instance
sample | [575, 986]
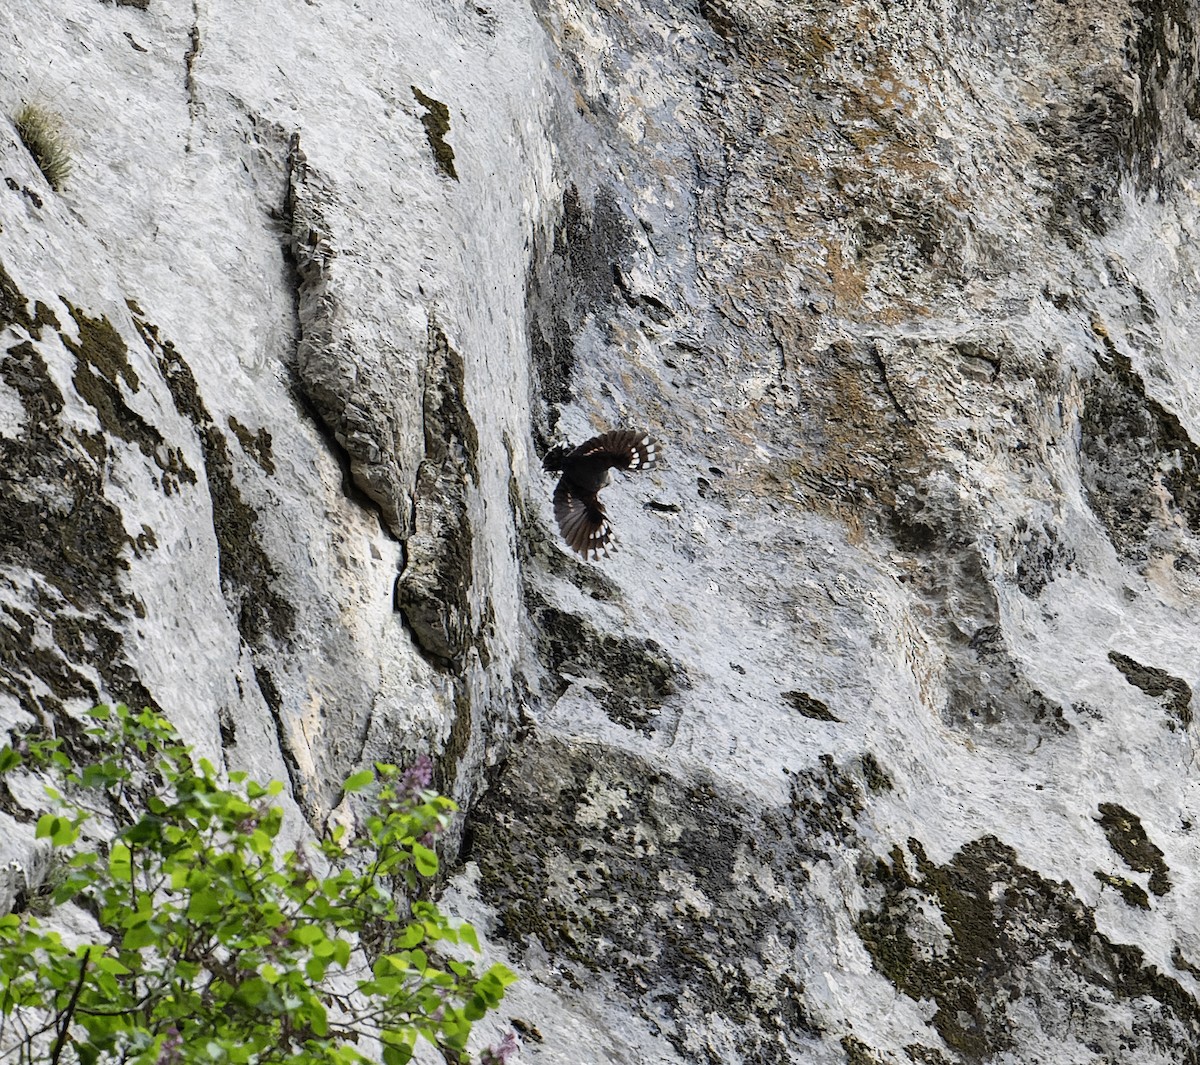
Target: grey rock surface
[875, 744]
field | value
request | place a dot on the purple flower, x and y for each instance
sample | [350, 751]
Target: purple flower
[417, 777]
[499, 1054]
[172, 1048]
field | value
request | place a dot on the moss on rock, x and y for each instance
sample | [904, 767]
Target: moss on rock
[636, 676]
[1133, 894]
[102, 374]
[690, 897]
[256, 445]
[436, 121]
[987, 939]
[805, 704]
[1128, 838]
[60, 633]
[248, 577]
[1175, 693]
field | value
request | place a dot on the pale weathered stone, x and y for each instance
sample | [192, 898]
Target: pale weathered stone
[874, 744]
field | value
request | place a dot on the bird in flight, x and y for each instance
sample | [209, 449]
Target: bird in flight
[585, 470]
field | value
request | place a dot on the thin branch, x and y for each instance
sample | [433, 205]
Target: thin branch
[66, 1020]
[133, 860]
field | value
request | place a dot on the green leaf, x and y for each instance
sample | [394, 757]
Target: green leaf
[204, 903]
[57, 829]
[318, 1020]
[314, 969]
[120, 862]
[413, 935]
[425, 859]
[502, 974]
[466, 934]
[491, 984]
[109, 965]
[342, 952]
[455, 1031]
[251, 992]
[359, 781]
[9, 759]
[142, 934]
[308, 934]
[397, 1054]
[148, 829]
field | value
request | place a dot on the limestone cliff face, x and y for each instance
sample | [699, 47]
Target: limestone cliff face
[875, 743]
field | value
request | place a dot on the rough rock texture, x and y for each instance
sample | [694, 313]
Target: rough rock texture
[876, 742]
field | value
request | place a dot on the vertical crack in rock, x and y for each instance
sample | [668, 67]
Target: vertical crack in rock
[308, 254]
[190, 59]
[62, 543]
[887, 386]
[297, 778]
[1175, 693]
[436, 121]
[433, 591]
[361, 422]
[1007, 955]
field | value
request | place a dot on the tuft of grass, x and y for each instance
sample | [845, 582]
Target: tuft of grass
[40, 131]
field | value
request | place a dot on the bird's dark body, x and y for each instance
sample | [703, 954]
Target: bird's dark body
[585, 470]
[589, 473]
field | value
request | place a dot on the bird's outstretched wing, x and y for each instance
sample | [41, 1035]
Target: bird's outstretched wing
[626, 449]
[556, 457]
[582, 522]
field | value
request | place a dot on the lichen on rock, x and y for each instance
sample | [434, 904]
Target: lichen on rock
[968, 934]
[64, 550]
[674, 886]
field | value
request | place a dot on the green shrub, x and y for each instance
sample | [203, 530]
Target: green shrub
[210, 945]
[41, 132]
